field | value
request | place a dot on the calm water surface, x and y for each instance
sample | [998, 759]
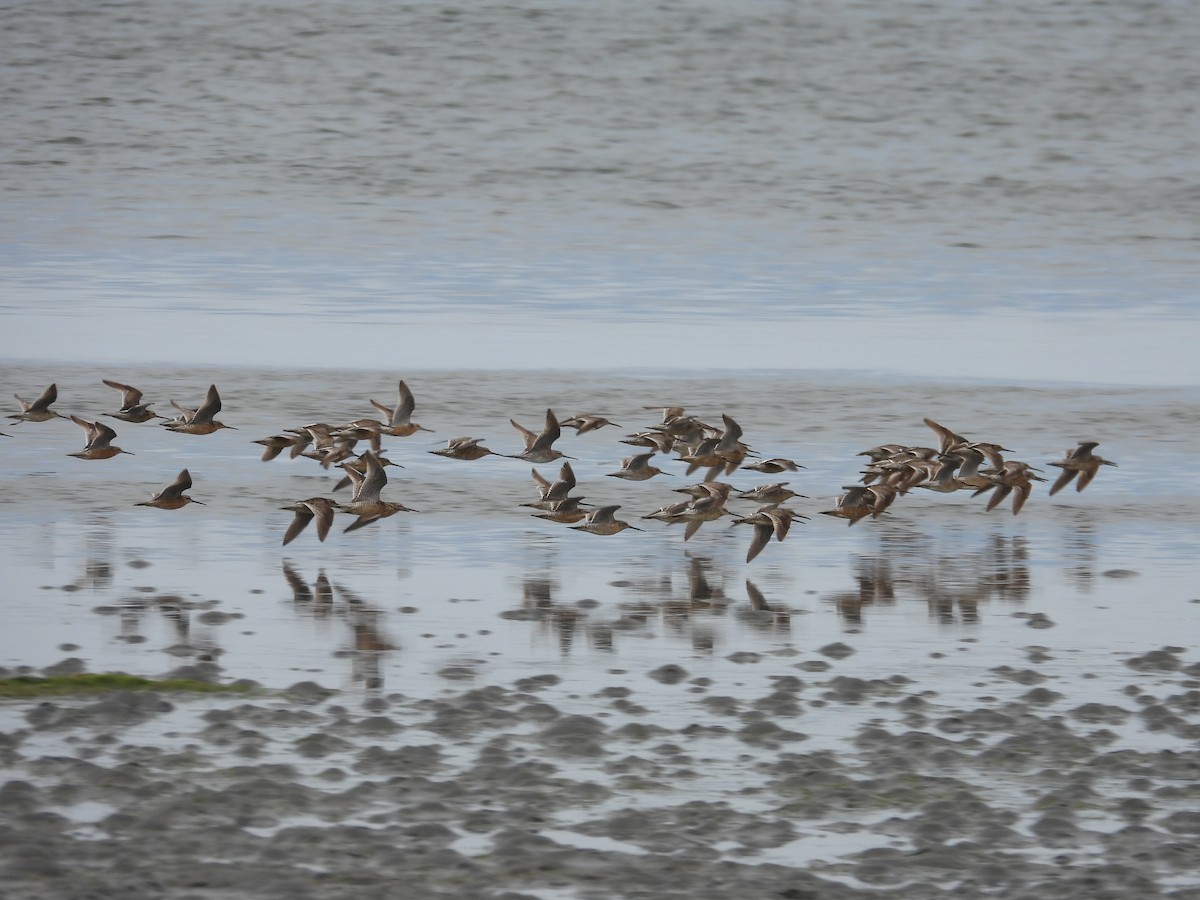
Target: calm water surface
[473, 587]
[828, 220]
[961, 189]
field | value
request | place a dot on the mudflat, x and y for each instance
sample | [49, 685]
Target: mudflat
[470, 701]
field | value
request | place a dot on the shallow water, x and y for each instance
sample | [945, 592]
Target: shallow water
[952, 190]
[473, 587]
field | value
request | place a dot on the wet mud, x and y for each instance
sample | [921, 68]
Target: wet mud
[657, 785]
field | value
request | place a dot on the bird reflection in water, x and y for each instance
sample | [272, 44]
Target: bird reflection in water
[1079, 550]
[314, 600]
[132, 610]
[537, 592]
[97, 572]
[702, 597]
[773, 618]
[97, 575]
[177, 612]
[874, 586]
[563, 622]
[952, 583]
[368, 646]
[173, 611]
[691, 617]
[1008, 561]
[687, 616]
[657, 599]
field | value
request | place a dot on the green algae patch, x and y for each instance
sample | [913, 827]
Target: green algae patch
[24, 686]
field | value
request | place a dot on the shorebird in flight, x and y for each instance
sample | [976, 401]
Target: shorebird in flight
[638, 468]
[99, 441]
[539, 448]
[1079, 461]
[199, 421]
[774, 466]
[39, 410]
[399, 417]
[365, 502]
[314, 508]
[769, 520]
[1014, 478]
[132, 408]
[604, 521]
[173, 496]
[468, 448]
[586, 422]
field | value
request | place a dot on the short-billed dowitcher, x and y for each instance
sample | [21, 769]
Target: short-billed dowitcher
[774, 466]
[900, 465]
[947, 439]
[1079, 461]
[699, 511]
[638, 468]
[361, 465]
[657, 440]
[883, 451]
[730, 447]
[320, 438]
[330, 446]
[880, 497]
[603, 520]
[944, 479]
[368, 430]
[771, 494]
[365, 502]
[39, 410]
[468, 448]
[992, 452]
[567, 511]
[318, 508]
[132, 408]
[1014, 478]
[303, 440]
[855, 504]
[695, 513]
[703, 455]
[99, 441]
[686, 430]
[399, 417]
[769, 520]
[199, 421]
[718, 489]
[551, 492]
[539, 447]
[669, 513]
[672, 416]
[972, 457]
[585, 422]
[276, 444]
[173, 496]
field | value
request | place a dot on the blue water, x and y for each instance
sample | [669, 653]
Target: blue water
[939, 317]
[957, 190]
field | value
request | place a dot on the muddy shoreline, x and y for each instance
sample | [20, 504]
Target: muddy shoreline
[528, 789]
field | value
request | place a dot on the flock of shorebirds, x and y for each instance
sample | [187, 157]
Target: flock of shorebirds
[955, 464]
